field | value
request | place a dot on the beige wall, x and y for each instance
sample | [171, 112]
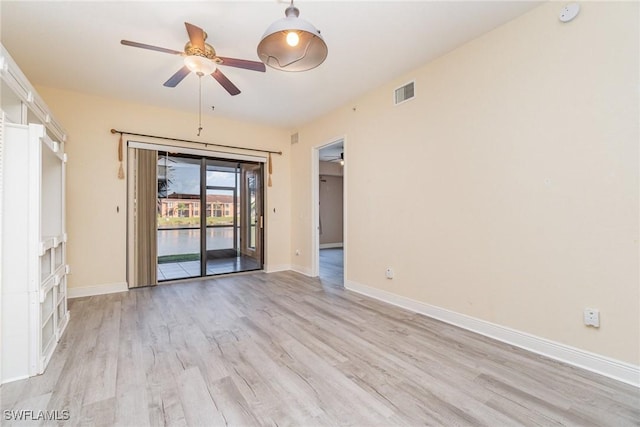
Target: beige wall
[516, 172]
[97, 231]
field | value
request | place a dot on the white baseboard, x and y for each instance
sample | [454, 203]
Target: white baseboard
[302, 270]
[12, 379]
[88, 291]
[331, 245]
[276, 268]
[599, 364]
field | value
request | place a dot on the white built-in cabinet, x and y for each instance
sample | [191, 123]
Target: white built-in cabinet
[33, 271]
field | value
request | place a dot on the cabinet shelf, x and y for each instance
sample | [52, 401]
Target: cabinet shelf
[49, 242]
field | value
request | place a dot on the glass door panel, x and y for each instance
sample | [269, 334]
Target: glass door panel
[179, 211]
[224, 218]
[251, 212]
[222, 249]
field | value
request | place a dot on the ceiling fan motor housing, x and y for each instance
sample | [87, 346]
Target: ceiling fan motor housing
[209, 52]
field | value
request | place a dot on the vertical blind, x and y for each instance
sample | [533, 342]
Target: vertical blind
[145, 218]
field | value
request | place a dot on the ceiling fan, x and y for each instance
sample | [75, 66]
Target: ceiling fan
[338, 159]
[201, 58]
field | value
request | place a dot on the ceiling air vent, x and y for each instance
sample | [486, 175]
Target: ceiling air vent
[404, 93]
[294, 138]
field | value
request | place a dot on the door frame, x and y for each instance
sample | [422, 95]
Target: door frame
[315, 207]
[245, 249]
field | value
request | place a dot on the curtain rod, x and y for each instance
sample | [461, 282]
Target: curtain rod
[206, 144]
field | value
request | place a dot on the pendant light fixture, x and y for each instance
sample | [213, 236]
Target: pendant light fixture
[292, 44]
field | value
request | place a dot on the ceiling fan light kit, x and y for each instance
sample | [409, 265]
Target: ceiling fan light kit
[201, 59]
[292, 44]
[200, 65]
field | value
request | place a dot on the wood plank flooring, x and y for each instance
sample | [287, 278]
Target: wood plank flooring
[283, 349]
[331, 266]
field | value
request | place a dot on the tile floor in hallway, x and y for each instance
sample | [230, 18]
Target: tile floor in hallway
[182, 270]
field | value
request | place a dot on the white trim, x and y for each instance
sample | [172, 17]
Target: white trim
[12, 379]
[15, 79]
[302, 270]
[315, 210]
[315, 205]
[194, 151]
[345, 211]
[88, 291]
[599, 364]
[331, 245]
[276, 268]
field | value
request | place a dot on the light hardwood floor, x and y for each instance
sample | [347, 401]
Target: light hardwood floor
[331, 266]
[284, 349]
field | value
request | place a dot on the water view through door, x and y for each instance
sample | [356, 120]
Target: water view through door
[203, 229]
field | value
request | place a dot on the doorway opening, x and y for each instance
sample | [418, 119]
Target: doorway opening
[329, 200]
[209, 216]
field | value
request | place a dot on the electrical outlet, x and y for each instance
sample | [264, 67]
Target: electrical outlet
[297, 252]
[592, 317]
[389, 273]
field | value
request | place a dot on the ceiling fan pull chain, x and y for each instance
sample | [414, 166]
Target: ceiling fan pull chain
[199, 103]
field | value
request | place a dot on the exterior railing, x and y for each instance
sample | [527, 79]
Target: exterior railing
[186, 240]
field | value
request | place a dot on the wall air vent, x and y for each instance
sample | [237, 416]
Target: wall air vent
[404, 93]
[294, 138]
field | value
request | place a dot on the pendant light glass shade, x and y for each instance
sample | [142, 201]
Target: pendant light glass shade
[292, 44]
[199, 64]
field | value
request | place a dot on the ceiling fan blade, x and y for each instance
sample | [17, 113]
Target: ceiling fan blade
[243, 63]
[177, 77]
[196, 35]
[225, 82]
[148, 46]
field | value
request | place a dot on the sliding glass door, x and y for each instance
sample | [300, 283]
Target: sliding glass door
[209, 216]
[179, 254]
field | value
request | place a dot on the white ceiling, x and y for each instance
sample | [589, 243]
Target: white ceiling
[76, 45]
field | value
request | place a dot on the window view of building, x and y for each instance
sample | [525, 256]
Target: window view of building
[188, 206]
